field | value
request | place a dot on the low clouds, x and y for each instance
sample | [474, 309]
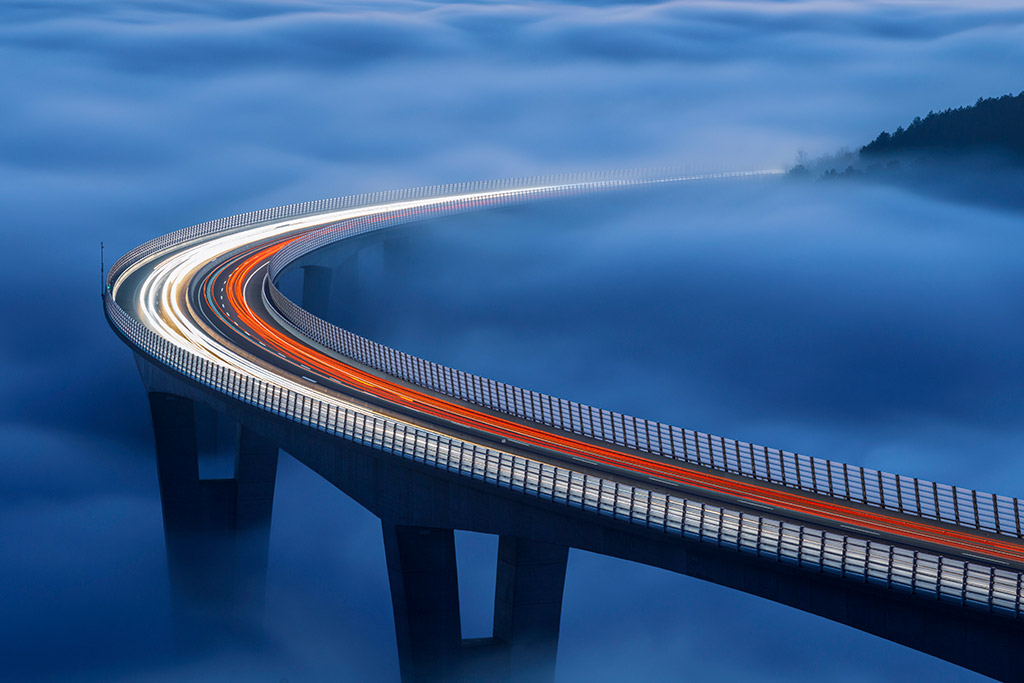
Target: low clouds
[125, 120]
[453, 87]
[201, 40]
[733, 307]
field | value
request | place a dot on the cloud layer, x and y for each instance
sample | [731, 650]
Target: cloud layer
[856, 322]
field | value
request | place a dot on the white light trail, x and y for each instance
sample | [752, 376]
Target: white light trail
[162, 301]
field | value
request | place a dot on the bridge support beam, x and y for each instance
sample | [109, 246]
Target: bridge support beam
[424, 582]
[423, 573]
[216, 530]
[528, 605]
[255, 477]
[316, 290]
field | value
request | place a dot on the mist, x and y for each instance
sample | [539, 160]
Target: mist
[870, 322]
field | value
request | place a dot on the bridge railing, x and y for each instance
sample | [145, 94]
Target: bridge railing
[481, 195]
[973, 585]
[209, 228]
[874, 488]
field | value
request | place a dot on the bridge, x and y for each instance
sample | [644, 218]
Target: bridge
[430, 449]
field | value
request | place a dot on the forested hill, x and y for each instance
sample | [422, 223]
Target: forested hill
[991, 125]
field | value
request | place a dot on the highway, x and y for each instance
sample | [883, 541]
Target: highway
[209, 297]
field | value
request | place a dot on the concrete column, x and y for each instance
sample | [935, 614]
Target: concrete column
[200, 568]
[216, 530]
[207, 429]
[316, 290]
[425, 596]
[177, 465]
[528, 605]
[255, 476]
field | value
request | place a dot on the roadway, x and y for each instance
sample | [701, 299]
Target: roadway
[210, 298]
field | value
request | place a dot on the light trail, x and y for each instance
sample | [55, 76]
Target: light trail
[163, 293]
[163, 304]
[467, 416]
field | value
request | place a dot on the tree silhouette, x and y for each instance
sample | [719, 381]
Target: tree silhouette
[990, 125]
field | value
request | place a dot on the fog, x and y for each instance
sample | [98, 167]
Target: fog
[876, 323]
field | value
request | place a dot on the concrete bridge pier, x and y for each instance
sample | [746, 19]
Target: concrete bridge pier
[528, 606]
[255, 476]
[423, 574]
[424, 580]
[216, 530]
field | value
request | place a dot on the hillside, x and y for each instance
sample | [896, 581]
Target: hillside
[990, 125]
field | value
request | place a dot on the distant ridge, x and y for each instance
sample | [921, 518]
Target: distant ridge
[991, 125]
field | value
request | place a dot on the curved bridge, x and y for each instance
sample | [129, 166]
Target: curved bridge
[430, 449]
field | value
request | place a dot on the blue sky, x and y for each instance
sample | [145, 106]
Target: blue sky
[863, 323]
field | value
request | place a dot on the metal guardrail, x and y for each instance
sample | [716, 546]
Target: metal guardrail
[974, 585]
[907, 495]
[250, 218]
